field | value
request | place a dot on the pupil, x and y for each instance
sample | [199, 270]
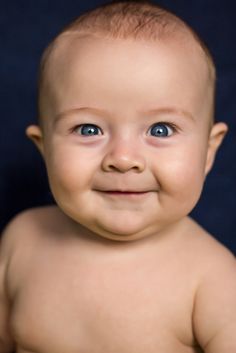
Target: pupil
[159, 130]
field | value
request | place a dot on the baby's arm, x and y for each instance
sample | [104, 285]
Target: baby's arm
[6, 343]
[215, 306]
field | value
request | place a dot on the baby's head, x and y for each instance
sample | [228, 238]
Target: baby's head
[126, 111]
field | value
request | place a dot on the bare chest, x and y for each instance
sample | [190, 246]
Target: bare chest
[72, 306]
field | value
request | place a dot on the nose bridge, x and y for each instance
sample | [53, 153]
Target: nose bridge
[123, 154]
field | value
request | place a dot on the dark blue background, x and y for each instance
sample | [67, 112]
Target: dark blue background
[26, 27]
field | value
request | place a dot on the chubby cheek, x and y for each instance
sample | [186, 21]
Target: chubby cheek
[69, 171]
[181, 175]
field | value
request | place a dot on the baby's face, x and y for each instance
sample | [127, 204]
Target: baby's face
[126, 140]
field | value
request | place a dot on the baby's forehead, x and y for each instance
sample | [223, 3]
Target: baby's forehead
[69, 46]
[79, 62]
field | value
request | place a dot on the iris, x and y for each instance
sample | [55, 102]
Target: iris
[160, 130]
[89, 130]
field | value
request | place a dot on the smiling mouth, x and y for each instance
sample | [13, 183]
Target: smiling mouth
[117, 192]
[124, 194]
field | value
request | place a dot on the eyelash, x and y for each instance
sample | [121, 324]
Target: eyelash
[169, 125]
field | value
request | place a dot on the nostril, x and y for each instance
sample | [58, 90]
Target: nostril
[122, 169]
[122, 165]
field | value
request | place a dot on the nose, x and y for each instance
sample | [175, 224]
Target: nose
[123, 156]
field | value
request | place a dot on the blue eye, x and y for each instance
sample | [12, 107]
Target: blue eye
[88, 130]
[161, 130]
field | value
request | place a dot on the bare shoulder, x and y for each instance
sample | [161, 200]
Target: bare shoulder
[30, 216]
[208, 253]
[214, 316]
[25, 237]
[27, 230]
[30, 223]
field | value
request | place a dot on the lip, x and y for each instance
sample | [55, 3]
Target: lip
[127, 194]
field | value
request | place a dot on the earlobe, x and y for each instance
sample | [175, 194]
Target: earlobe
[216, 137]
[35, 134]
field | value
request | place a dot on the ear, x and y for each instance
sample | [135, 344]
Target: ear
[34, 133]
[216, 137]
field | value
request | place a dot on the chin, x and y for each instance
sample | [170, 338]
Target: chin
[121, 237]
[121, 232]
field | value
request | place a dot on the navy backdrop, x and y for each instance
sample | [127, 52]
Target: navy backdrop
[28, 26]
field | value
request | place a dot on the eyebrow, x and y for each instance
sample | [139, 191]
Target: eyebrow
[64, 114]
[99, 111]
[171, 110]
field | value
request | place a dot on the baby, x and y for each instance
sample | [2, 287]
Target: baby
[126, 129]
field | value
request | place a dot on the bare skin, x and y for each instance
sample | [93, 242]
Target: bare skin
[81, 294]
[121, 269]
